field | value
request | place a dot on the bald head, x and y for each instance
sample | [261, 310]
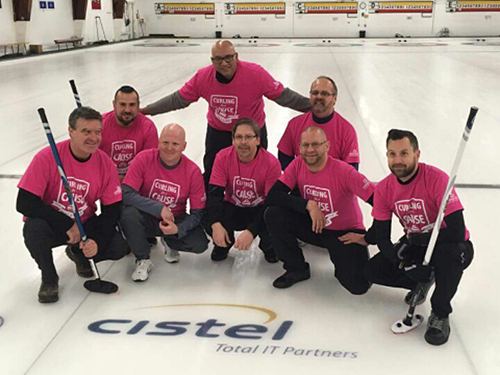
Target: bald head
[314, 132]
[224, 58]
[314, 148]
[172, 144]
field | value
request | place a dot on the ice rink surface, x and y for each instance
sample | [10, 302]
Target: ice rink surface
[315, 327]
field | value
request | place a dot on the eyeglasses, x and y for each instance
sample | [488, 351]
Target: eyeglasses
[321, 93]
[314, 145]
[247, 138]
[227, 58]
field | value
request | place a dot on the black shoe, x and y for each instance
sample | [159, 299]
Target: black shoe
[219, 253]
[48, 293]
[422, 293]
[291, 277]
[83, 268]
[152, 241]
[438, 330]
[270, 256]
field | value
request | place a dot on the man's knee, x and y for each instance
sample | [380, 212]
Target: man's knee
[130, 215]
[35, 231]
[357, 286]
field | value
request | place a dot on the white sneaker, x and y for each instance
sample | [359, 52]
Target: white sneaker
[142, 269]
[171, 256]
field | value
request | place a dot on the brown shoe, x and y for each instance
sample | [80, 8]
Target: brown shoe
[48, 293]
[83, 268]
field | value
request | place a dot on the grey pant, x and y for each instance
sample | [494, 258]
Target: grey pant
[138, 226]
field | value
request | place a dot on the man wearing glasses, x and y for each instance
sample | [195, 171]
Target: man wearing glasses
[234, 89]
[241, 177]
[325, 211]
[340, 133]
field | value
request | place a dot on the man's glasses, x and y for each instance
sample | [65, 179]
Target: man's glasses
[321, 93]
[247, 138]
[315, 145]
[227, 58]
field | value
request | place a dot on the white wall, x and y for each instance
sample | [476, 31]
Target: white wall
[49, 24]
[106, 14]
[7, 31]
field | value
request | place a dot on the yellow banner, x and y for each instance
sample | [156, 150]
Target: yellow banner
[184, 8]
[254, 8]
[326, 8]
[401, 6]
[473, 6]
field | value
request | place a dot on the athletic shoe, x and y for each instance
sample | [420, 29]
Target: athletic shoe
[142, 269]
[291, 277]
[438, 330]
[83, 268]
[422, 293]
[48, 293]
[171, 256]
[219, 253]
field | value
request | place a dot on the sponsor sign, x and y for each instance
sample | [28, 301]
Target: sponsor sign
[473, 6]
[254, 8]
[401, 6]
[326, 8]
[185, 8]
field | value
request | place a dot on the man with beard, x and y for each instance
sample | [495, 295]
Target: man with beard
[49, 219]
[340, 133]
[326, 210]
[413, 192]
[156, 189]
[234, 89]
[125, 131]
[241, 178]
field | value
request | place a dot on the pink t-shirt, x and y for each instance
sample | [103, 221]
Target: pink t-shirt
[334, 188]
[415, 204]
[172, 187]
[123, 144]
[340, 133]
[92, 180]
[228, 102]
[245, 184]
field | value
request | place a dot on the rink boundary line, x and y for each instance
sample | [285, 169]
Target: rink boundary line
[458, 186]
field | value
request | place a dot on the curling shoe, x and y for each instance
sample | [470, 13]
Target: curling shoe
[438, 330]
[142, 269]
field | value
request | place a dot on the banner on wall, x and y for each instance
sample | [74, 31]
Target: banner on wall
[185, 8]
[96, 4]
[401, 6]
[254, 8]
[473, 6]
[326, 8]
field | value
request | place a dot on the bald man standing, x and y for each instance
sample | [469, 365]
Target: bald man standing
[155, 192]
[234, 89]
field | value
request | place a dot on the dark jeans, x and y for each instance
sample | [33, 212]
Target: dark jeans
[215, 141]
[449, 260]
[239, 218]
[40, 239]
[285, 226]
[138, 226]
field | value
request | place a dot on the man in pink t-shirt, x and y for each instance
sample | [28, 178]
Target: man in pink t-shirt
[241, 178]
[126, 131]
[233, 89]
[413, 193]
[156, 189]
[325, 211]
[340, 133]
[49, 219]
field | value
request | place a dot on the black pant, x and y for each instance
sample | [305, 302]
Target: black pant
[215, 141]
[449, 260]
[285, 226]
[238, 218]
[40, 239]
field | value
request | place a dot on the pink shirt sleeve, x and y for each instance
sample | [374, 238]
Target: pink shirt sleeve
[35, 179]
[112, 191]
[136, 173]
[197, 197]
[454, 204]
[151, 135]
[271, 88]
[380, 209]
[191, 89]
[359, 184]
[285, 144]
[350, 149]
[289, 176]
[273, 174]
[219, 176]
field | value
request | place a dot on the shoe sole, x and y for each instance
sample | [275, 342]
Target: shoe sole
[288, 286]
[48, 299]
